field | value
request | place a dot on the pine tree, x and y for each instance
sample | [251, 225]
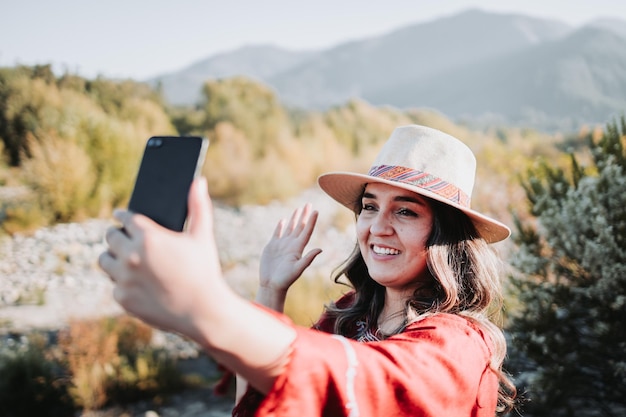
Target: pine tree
[568, 340]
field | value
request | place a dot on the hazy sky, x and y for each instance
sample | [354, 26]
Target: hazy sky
[139, 39]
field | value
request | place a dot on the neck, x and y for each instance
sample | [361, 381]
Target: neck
[396, 298]
[393, 314]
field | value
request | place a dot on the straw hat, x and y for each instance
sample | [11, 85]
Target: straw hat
[423, 160]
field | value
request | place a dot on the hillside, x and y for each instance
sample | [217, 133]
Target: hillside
[258, 62]
[581, 77]
[410, 53]
[474, 65]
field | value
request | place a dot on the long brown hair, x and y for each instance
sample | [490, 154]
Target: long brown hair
[466, 281]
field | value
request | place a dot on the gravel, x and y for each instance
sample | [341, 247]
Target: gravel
[51, 276]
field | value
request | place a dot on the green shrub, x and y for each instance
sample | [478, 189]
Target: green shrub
[569, 334]
[146, 374]
[96, 363]
[251, 107]
[61, 175]
[32, 384]
[76, 142]
[24, 215]
[111, 362]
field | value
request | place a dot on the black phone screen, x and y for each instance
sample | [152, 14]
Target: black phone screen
[168, 167]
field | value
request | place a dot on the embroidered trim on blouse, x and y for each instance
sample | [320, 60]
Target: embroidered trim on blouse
[353, 363]
[364, 334]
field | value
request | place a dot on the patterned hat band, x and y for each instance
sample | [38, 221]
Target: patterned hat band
[423, 180]
[423, 160]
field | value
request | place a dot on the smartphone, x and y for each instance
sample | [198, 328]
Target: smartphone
[168, 166]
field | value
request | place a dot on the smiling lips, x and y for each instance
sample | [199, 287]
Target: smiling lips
[384, 251]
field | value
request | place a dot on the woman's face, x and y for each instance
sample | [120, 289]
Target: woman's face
[392, 230]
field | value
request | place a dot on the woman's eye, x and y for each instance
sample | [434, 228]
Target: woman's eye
[407, 212]
[368, 207]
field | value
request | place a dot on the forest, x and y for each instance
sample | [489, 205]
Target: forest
[70, 148]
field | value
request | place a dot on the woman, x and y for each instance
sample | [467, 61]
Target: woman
[413, 338]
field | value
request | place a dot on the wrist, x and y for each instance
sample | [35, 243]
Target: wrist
[211, 317]
[271, 297]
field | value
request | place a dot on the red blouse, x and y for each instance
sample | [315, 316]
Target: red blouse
[438, 366]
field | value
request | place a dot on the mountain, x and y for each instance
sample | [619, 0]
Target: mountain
[415, 52]
[578, 78]
[474, 65]
[259, 62]
[616, 26]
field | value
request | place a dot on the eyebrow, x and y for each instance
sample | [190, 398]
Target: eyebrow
[401, 198]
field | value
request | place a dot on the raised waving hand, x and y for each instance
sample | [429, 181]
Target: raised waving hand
[282, 260]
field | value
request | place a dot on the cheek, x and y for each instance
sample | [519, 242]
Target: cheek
[415, 240]
[362, 230]
[418, 264]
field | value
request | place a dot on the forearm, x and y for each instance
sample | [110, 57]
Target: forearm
[274, 300]
[174, 281]
[246, 339]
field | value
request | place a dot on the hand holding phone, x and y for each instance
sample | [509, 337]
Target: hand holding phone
[168, 167]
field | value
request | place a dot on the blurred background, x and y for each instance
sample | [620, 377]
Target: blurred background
[285, 92]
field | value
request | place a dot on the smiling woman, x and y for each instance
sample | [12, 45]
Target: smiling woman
[413, 337]
[421, 260]
[392, 230]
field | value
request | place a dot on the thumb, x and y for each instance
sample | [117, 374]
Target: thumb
[307, 259]
[200, 208]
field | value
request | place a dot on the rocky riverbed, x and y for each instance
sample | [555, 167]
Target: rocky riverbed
[51, 276]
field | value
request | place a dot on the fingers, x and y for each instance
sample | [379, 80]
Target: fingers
[296, 219]
[123, 244]
[302, 220]
[116, 239]
[126, 218]
[119, 253]
[311, 221]
[115, 266]
[107, 263]
[280, 228]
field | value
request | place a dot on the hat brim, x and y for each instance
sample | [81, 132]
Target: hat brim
[347, 188]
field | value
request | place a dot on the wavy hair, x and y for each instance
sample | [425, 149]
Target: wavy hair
[466, 282]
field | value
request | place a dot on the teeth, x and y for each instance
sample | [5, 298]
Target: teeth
[385, 251]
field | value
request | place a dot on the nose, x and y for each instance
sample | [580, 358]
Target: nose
[381, 225]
